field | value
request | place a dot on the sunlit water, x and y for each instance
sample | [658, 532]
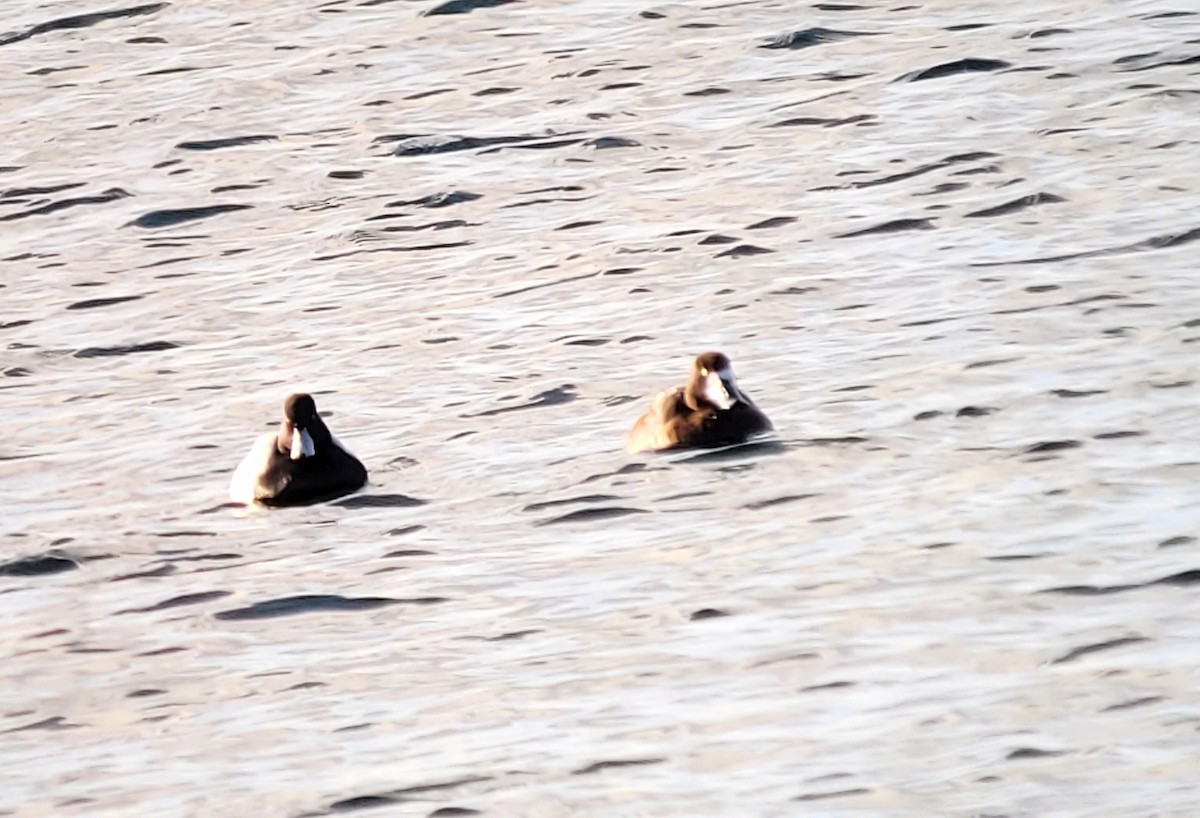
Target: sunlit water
[949, 247]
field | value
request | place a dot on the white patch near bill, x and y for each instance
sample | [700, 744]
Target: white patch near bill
[302, 444]
[731, 384]
[720, 388]
[243, 488]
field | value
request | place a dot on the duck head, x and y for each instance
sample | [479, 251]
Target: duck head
[712, 382]
[300, 420]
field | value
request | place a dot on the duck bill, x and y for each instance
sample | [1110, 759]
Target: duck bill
[302, 444]
[721, 389]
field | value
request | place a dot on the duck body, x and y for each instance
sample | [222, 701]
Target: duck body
[301, 464]
[709, 412]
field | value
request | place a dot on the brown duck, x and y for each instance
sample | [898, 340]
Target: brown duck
[300, 464]
[710, 411]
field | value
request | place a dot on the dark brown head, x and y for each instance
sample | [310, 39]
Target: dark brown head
[300, 409]
[300, 421]
[712, 381]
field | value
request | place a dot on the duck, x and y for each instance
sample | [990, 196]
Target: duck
[301, 464]
[710, 411]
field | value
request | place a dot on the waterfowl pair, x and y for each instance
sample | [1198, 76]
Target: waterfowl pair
[300, 464]
[304, 463]
[709, 411]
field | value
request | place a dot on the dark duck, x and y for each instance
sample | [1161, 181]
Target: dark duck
[710, 411]
[302, 463]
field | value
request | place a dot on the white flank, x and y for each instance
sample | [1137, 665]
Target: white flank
[243, 488]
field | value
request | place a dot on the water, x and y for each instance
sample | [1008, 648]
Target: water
[947, 245]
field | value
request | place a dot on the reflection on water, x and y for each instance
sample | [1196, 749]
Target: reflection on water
[947, 243]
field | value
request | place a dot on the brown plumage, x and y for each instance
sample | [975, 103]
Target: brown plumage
[709, 412]
[300, 464]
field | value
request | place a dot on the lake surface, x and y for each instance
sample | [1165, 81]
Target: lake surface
[950, 247]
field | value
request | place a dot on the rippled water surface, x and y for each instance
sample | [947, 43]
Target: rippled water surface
[948, 245]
